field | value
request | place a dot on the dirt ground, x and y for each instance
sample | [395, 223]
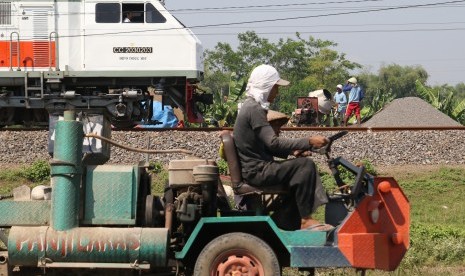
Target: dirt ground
[382, 170]
[399, 171]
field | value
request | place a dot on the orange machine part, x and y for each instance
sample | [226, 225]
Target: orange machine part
[31, 54]
[381, 244]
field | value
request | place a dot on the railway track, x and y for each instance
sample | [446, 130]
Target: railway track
[383, 146]
[207, 129]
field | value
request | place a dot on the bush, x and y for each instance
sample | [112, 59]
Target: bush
[39, 171]
[159, 177]
[156, 167]
[329, 182]
[222, 166]
[433, 244]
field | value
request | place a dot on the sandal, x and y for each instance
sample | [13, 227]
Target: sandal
[319, 227]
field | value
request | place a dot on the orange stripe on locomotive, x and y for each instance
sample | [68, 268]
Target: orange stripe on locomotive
[31, 54]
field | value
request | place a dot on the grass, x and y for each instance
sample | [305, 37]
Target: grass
[36, 174]
[436, 195]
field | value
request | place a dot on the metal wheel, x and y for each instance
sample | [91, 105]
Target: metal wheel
[237, 254]
[236, 262]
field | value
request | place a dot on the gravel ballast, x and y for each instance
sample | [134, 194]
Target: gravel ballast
[381, 148]
[386, 148]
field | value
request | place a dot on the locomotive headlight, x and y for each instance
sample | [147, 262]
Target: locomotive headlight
[373, 210]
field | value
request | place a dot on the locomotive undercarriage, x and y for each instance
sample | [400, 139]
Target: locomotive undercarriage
[30, 100]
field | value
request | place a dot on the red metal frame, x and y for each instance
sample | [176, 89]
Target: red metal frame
[377, 244]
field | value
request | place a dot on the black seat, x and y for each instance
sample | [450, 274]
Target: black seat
[240, 187]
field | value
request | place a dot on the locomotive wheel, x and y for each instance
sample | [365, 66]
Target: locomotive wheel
[153, 209]
[122, 123]
[237, 254]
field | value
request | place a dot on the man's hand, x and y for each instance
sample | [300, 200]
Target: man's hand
[318, 141]
[302, 153]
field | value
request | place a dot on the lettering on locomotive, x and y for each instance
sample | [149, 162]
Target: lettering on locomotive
[132, 50]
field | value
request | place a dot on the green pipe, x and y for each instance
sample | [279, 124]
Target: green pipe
[30, 246]
[66, 173]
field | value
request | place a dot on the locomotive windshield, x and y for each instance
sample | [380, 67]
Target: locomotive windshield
[127, 13]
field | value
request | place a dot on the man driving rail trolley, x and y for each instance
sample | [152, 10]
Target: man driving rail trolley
[257, 145]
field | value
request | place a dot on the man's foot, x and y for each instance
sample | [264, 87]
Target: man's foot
[308, 222]
[314, 225]
[320, 227]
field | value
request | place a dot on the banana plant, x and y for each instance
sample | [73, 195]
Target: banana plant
[376, 103]
[443, 101]
[224, 108]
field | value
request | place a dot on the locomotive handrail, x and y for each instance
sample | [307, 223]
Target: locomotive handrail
[55, 34]
[11, 51]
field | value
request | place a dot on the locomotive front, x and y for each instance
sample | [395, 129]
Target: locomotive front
[90, 57]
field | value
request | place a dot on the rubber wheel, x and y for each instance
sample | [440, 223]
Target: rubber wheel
[237, 254]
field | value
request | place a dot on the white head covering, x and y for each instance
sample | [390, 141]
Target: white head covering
[261, 80]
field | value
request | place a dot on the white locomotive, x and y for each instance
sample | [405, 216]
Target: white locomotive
[96, 56]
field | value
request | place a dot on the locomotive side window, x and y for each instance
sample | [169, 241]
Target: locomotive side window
[153, 15]
[107, 13]
[133, 13]
[5, 13]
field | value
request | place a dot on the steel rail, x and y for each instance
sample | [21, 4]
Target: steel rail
[350, 128]
[207, 129]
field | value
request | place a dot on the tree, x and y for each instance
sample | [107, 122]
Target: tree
[376, 96]
[400, 80]
[309, 64]
[393, 81]
[460, 90]
[327, 67]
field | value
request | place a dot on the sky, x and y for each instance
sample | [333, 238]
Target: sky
[429, 33]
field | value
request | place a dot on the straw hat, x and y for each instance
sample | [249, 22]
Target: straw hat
[277, 117]
[352, 80]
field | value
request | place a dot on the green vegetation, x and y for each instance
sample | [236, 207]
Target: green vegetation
[330, 184]
[445, 100]
[159, 177]
[39, 171]
[35, 174]
[222, 166]
[437, 219]
[311, 64]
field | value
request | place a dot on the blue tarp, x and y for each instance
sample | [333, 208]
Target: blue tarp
[165, 116]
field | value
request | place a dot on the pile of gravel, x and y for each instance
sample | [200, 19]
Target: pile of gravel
[381, 148]
[409, 112]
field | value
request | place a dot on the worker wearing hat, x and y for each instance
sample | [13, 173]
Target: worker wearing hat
[257, 145]
[341, 101]
[276, 120]
[355, 97]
